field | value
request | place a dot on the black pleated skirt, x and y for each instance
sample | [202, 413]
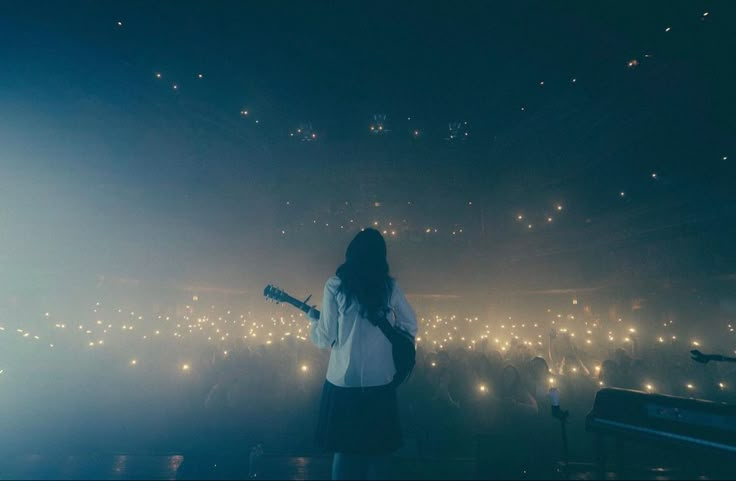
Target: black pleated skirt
[359, 420]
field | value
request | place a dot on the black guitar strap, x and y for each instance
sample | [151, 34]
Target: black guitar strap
[386, 328]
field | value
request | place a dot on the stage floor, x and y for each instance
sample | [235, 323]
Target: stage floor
[133, 467]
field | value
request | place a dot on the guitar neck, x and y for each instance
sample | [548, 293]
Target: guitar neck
[301, 305]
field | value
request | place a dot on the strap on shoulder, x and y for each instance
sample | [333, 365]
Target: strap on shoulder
[386, 328]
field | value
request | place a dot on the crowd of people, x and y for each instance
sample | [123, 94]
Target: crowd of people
[471, 395]
[484, 403]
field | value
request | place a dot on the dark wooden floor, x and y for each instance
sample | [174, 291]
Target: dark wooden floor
[213, 466]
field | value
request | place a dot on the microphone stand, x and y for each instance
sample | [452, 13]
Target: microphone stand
[561, 415]
[698, 356]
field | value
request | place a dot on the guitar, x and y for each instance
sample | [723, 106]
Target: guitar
[403, 348]
[278, 296]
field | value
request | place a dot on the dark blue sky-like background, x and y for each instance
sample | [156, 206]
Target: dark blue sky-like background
[110, 173]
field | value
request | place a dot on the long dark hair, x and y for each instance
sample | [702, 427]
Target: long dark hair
[364, 275]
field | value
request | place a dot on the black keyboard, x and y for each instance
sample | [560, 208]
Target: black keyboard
[666, 419]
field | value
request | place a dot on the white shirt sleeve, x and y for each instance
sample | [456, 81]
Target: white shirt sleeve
[323, 332]
[406, 319]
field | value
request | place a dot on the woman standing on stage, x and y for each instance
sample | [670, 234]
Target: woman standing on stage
[359, 415]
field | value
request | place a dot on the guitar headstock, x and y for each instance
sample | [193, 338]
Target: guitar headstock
[273, 293]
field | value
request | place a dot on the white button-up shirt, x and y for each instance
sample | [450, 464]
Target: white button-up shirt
[360, 354]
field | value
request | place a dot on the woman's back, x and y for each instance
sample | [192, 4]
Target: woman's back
[361, 354]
